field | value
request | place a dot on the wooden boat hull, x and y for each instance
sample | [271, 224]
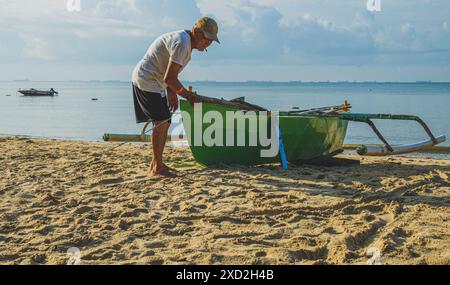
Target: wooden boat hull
[304, 138]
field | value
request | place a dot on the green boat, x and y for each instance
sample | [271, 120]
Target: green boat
[299, 135]
[305, 137]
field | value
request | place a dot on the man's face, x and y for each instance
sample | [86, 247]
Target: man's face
[203, 42]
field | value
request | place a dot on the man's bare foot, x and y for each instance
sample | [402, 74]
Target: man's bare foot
[162, 172]
[164, 166]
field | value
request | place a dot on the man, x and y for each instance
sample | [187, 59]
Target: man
[156, 84]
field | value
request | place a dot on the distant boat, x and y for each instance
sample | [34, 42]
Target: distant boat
[34, 92]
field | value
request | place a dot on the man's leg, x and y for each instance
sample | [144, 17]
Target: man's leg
[159, 137]
[166, 133]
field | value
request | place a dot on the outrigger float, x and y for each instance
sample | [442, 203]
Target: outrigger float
[304, 134]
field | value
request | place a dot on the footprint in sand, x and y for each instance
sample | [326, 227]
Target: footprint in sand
[109, 181]
[260, 254]
[82, 210]
[110, 172]
[155, 245]
[134, 213]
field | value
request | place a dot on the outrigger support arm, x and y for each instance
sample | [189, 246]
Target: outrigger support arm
[380, 136]
[367, 118]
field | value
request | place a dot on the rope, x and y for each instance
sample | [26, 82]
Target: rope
[97, 156]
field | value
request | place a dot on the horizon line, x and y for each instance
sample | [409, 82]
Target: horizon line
[244, 81]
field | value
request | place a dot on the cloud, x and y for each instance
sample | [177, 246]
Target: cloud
[153, 15]
[257, 33]
[248, 31]
[104, 31]
[409, 32]
[36, 48]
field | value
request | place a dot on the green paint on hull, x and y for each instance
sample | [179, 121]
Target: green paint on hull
[304, 138]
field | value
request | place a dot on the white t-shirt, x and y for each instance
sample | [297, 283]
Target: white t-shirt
[148, 75]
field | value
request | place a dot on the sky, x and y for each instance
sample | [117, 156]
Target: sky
[267, 40]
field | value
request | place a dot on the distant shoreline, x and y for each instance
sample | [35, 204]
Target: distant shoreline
[241, 82]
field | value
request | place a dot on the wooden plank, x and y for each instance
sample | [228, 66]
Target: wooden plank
[233, 104]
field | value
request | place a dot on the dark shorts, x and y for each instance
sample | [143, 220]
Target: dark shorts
[150, 106]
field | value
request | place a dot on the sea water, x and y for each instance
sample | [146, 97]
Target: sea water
[74, 115]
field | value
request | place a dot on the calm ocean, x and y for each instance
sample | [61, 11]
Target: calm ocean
[73, 115]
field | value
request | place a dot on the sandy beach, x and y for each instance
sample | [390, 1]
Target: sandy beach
[55, 195]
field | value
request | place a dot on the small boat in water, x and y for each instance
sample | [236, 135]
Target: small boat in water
[34, 92]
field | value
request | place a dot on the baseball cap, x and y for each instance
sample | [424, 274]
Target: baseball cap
[209, 27]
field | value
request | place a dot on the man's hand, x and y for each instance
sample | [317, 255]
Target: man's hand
[191, 98]
[173, 101]
[174, 85]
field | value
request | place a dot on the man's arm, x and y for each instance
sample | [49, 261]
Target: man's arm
[174, 84]
[172, 99]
